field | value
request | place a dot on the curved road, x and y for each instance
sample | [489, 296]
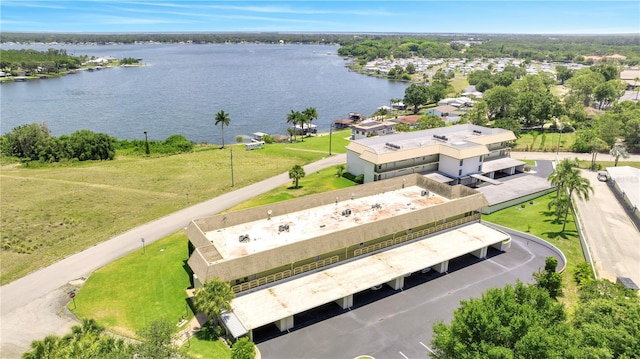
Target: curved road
[38, 299]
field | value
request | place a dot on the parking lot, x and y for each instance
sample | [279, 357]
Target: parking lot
[389, 324]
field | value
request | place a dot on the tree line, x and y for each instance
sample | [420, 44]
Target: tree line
[540, 48]
[50, 61]
[34, 142]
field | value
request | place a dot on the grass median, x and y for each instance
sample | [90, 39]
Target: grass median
[52, 211]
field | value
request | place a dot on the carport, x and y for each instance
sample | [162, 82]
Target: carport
[278, 304]
[507, 165]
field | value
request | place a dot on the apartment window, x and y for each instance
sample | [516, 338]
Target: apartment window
[459, 172]
[481, 158]
[480, 168]
[461, 162]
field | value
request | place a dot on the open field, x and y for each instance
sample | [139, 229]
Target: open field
[535, 141]
[52, 211]
[538, 220]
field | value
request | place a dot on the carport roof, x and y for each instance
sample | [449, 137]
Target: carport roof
[500, 164]
[269, 305]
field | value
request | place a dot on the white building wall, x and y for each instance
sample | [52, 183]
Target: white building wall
[451, 166]
[355, 165]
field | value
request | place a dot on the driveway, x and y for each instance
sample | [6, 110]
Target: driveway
[399, 324]
[33, 307]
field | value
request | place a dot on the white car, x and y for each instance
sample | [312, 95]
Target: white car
[602, 176]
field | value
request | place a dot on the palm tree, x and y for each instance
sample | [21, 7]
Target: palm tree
[635, 84]
[295, 173]
[223, 119]
[575, 183]
[617, 151]
[48, 348]
[559, 174]
[310, 114]
[213, 298]
[294, 118]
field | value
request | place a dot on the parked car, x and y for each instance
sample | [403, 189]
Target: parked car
[602, 176]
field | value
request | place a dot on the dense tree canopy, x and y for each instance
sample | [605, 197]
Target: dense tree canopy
[522, 321]
[34, 142]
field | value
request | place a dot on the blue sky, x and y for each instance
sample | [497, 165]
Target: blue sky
[520, 17]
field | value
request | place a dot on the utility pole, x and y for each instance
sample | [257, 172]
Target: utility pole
[330, 136]
[146, 143]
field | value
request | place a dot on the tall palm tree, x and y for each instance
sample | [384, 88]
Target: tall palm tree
[617, 151]
[575, 183]
[310, 114]
[294, 118]
[559, 174]
[223, 119]
[213, 298]
[635, 82]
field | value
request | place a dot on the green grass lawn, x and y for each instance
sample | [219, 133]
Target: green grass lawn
[544, 142]
[146, 285]
[318, 182]
[204, 345]
[538, 220]
[459, 83]
[52, 211]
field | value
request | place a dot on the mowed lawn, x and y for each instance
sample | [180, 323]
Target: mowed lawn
[149, 284]
[53, 211]
[539, 221]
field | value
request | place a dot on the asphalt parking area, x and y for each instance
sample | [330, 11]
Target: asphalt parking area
[397, 324]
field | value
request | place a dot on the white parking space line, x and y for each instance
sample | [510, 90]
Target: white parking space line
[404, 356]
[429, 349]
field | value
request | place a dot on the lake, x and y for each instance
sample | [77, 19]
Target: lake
[183, 86]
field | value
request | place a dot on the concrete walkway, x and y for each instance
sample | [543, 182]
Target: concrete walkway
[39, 297]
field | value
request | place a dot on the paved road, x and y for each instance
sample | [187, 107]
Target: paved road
[398, 325]
[38, 299]
[612, 237]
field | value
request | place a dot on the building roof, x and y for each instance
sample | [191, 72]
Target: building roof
[271, 304]
[371, 125]
[627, 179]
[275, 231]
[460, 141]
[317, 225]
[445, 108]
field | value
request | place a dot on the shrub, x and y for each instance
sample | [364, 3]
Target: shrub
[583, 274]
[353, 178]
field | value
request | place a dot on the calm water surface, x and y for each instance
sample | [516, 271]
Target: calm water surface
[183, 86]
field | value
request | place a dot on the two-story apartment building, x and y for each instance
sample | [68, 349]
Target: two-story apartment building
[461, 154]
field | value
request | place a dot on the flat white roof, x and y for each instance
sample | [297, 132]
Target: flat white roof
[501, 164]
[269, 305]
[628, 180]
[459, 136]
[276, 231]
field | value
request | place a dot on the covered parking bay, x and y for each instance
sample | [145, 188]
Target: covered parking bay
[278, 304]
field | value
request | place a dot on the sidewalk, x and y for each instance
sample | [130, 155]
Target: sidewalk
[551, 156]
